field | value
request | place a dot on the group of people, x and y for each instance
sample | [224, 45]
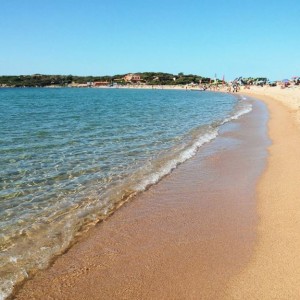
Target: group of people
[234, 88]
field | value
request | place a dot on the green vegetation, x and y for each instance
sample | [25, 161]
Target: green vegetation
[151, 78]
[38, 80]
[170, 79]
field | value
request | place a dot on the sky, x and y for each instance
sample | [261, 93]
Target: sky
[204, 37]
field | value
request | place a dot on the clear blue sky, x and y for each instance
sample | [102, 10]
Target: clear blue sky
[204, 37]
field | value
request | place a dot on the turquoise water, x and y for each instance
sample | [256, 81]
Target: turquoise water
[70, 157]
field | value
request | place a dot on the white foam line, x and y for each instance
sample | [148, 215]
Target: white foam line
[172, 164]
[239, 113]
[188, 153]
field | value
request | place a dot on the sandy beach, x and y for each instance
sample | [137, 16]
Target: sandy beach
[289, 97]
[150, 150]
[273, 272]
[223, 225]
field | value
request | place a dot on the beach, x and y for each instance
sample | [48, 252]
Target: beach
[223, 225]
[273, 272]
[150, 150]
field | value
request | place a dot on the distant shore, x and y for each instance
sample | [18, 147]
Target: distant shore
[136, 86]
[289, 96]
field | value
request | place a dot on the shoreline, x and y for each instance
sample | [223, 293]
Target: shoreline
[196, 141]
[179, 238]
[131, 87]
[267, 269]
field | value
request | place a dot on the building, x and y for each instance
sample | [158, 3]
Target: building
[132, 78]
[100, 83]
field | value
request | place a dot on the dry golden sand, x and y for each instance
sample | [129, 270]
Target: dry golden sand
[274, 270]
[289, 97]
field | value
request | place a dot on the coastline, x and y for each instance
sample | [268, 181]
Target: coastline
[134, 87]
[184, 149]
[266, 267]
[181, 238]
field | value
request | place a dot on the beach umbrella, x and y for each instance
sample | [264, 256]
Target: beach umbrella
[285, 80]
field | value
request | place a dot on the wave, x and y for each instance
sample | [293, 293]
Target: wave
[206, 135]
[92, 210]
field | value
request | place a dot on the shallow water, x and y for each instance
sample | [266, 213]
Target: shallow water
[69, 157]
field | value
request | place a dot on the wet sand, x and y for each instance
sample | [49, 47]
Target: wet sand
[187, 237]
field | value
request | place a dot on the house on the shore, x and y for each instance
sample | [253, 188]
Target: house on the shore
[100, 83]
[134, 78]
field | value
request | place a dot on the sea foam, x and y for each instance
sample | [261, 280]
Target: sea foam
[96, 150]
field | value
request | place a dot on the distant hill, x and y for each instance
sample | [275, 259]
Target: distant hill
[151, 78]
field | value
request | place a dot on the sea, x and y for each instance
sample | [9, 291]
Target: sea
[69, 157]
